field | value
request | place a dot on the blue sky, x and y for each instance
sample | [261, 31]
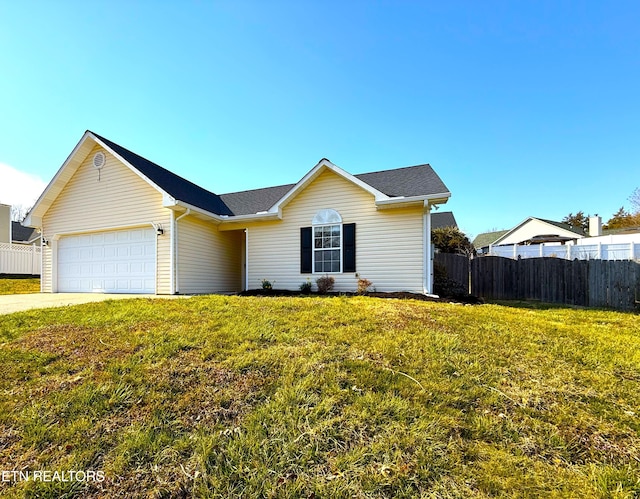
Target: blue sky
[523, 108]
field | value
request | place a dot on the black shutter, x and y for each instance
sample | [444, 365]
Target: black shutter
[349, 247]
[306, 243]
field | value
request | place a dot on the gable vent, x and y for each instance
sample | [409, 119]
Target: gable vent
[99, 160]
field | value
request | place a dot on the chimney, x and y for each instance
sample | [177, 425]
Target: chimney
[595, 226]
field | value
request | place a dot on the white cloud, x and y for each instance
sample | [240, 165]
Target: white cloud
[19, 188]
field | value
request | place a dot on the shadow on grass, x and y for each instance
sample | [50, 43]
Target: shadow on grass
[538, 305]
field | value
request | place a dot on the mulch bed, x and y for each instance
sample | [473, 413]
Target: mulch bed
[402, 295]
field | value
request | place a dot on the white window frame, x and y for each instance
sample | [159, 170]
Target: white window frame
[325, 218]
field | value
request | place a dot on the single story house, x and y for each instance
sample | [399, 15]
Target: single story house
[530, 231]
[113, 221]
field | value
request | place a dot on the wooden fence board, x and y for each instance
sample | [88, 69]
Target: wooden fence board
[593, 283]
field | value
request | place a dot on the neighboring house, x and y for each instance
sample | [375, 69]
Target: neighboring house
[112, 221]
[483, 241]
[20, 251]
[24, 235]
[610, 236]
[14, 232]
[530, 231]
[439, 220]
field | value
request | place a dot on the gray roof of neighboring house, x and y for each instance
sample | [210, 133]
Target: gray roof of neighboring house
[443, 219]
[564, 226]
[487, 238]
[417, 180]
[621, 230]
[19, 233]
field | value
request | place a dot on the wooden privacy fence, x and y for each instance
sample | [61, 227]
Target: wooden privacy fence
[458, 267]
[589, 283]
[19, 259]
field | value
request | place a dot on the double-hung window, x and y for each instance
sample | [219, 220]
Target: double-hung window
[327, 248]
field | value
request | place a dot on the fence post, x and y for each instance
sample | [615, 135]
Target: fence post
[632, 254]
[569, 252]
[515, 251]
[541, 250]
[599, 250]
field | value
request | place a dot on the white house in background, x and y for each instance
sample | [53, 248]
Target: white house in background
[113, 221]
[598, 235]
[537, 237]
[530, 231]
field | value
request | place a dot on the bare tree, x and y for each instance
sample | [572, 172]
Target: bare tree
[18, 212]
[635, 200]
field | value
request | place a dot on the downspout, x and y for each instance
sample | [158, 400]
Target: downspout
[172, 256]
[42, 260]
[158, 229]
[246, 259]
[427, 281]
[176, 282]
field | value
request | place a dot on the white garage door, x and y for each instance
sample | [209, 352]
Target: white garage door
[120, 261]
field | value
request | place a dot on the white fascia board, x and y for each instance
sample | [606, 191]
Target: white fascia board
[194, 209]
[59, 180]
[504, 236]
[265, 215]
[429, 199]
[317, 170]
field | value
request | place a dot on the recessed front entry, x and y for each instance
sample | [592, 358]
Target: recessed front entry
[119, 261]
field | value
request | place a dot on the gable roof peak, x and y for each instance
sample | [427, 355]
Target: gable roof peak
[176, 186]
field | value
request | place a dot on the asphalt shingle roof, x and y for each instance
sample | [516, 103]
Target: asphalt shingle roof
[443, 219]
[256, 200]
[176, 186]
[487, 238]
[418, 180]
[22, 234]
[564, 226]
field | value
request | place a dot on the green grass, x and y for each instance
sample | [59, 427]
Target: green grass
[19, 286]
[321, 397]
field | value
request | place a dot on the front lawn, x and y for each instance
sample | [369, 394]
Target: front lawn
[321, 397]
[19, 286]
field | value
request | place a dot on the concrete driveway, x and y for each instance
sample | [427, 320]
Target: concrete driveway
[18, 303]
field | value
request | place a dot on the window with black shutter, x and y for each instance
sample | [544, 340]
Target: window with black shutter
[328, 246]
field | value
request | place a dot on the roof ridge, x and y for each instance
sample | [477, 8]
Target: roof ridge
[562, 225]
[393, 169]
[256, 189]
[151, 162]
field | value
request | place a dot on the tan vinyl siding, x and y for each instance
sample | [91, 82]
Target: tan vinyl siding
[45, 271]
[209, 261]
[389, 243]
[114, 197]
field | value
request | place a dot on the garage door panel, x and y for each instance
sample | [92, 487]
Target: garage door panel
[111, 262]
